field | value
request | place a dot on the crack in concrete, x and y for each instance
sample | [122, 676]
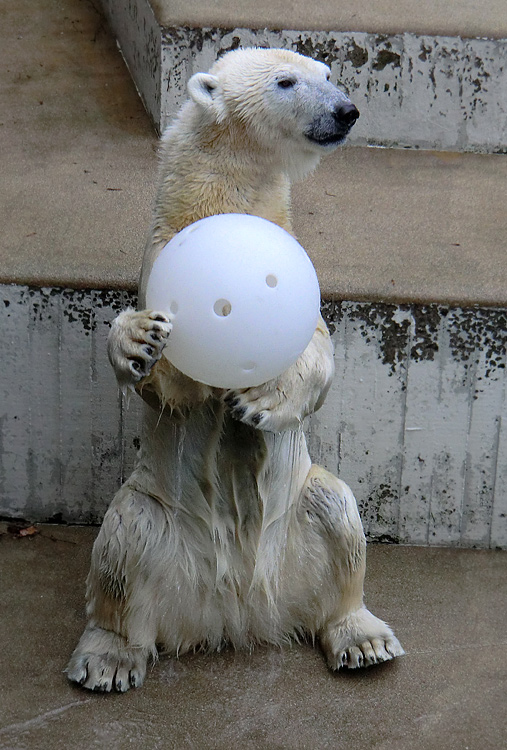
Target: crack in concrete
[39, 721]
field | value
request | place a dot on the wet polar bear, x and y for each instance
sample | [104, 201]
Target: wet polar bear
[225, 532]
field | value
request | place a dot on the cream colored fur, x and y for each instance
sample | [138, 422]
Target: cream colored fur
[225, 532]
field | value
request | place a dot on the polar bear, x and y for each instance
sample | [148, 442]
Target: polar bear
[226, 532]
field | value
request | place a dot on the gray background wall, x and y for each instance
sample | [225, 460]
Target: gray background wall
[415, 422]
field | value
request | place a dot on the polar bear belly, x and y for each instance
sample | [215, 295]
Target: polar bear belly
[227, 509]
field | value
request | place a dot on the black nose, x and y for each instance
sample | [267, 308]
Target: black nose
[346, 114]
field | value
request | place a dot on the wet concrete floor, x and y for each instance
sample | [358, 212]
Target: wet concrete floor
[449, 608]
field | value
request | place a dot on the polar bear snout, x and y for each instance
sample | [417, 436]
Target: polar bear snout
[331, 128]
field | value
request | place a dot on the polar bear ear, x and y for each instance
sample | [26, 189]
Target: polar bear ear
[206, 91]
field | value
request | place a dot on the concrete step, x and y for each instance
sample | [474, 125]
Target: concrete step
[79, 170]
[407, 226]
[419, 75]
[78, 151]
[464, 18]
[379, 224]
[416, 421]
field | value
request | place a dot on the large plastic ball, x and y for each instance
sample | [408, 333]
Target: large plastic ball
[244, 297]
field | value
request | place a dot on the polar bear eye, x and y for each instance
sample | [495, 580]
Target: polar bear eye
[286, 83]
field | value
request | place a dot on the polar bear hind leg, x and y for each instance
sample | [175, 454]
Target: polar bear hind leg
[349, 634]
[122, 596]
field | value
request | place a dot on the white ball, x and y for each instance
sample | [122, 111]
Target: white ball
[244, 297]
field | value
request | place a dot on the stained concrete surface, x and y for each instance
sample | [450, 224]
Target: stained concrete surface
[449, 608]
[79, 171]
[413, 91]
[415, 420]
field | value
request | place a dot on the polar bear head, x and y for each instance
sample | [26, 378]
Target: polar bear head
[285, 100]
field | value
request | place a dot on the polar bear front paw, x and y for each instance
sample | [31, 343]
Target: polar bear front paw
[265, 407]
[136, 342]
[359, 640]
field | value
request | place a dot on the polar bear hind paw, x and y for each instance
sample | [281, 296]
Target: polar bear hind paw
[360, 640]
[102, 662]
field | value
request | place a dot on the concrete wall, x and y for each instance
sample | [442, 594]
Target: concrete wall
[417, 91]
[416, 420]
[413, 91]
[67, 441]
[134, 25]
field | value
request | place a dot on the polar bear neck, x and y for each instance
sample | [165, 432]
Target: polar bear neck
[212, 168]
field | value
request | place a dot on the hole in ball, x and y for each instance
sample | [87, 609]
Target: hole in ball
[271, 280]
[249, 367]
[173, 307]
[222, 308]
